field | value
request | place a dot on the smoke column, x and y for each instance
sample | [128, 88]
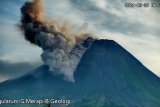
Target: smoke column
[62, 46]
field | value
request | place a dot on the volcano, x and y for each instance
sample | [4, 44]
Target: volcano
[107, 76]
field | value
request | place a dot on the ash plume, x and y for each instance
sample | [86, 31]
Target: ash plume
[62, 45]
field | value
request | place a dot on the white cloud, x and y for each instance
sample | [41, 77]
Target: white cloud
[100, 3]
[14, 46]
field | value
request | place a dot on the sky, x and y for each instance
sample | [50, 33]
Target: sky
[136, 29]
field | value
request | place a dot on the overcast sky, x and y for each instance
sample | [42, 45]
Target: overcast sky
[136, 29]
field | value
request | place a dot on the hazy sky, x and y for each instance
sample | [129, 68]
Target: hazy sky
[136, 29]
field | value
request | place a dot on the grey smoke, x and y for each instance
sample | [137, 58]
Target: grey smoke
[62, 49]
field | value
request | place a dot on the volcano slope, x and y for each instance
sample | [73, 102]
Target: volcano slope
[106, 76]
